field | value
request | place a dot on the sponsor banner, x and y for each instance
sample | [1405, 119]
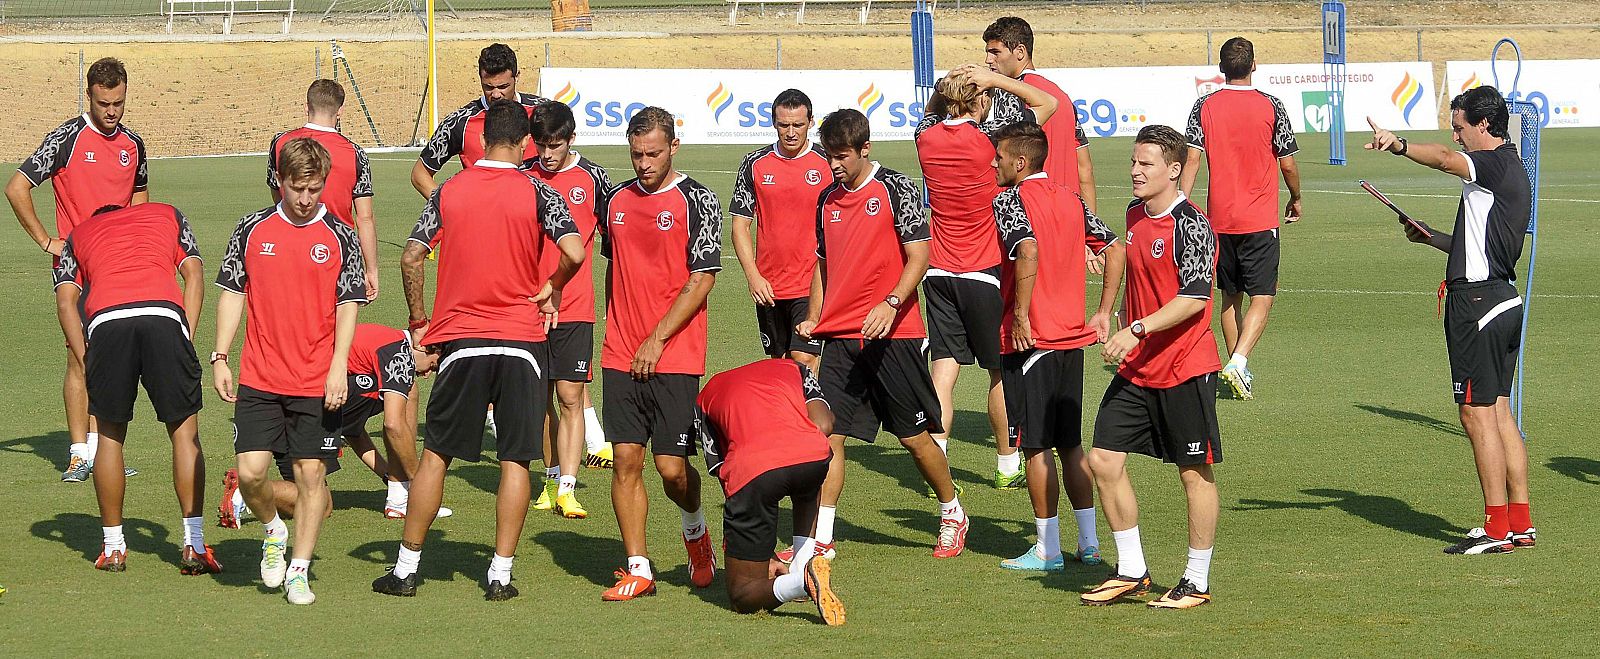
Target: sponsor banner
[1567, 92]
[734, 106]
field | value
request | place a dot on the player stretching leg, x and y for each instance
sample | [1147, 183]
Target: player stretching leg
[580, 182]
[1246, 140]
[1044, 230]
[300, 273]
[872, 249]
[963, 281]
[92, 161]
[764, 427]
[1162, 401]
[662, 232]
[490, 334]
[138, 328]
[1482, 314]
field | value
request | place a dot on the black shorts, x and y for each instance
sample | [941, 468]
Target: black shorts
[964, 313]
[571, 347]
[750, 518]
[1248, 262]
[290, 426]
[776, 324]
[879, 381]
[330, 464]
[1177, 424]
[1044, 398]
[155, 349]
[355, 412]
[1483, 330]
[658, 411]
[477, 373]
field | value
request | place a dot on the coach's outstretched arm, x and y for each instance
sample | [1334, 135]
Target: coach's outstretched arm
[1437, 156]
[689, 301]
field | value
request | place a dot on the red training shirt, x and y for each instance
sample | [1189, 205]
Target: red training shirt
[89, 169]
[293, 277]
[349, 180]
[957, 165]
[655, 241]
[580, 184]
[380, 361]
[753, 420]
[859, 238]
[780, 193]
[1063, 132]
[1061, 225]
[460, 133]
[1244, 131]
[506, 219]
[124, 261]
[1170, 254]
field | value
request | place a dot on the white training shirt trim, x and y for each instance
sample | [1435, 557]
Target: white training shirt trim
[670, 186]
[494, 164]
[487, 351]
[870, 176]
[1499, 309]
[570, 165]
[136, 312]
[317, 126]
[974, 276]
[1040, 175]
[1034, 358]
[777, 150]
[1181, 198]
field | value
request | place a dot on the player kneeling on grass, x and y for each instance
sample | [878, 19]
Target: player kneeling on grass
[300, 273]
[1044, 228]
[137, 326]
[1162, 401]
[493, 309]
[764, 428]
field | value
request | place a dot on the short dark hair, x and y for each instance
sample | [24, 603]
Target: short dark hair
[653, 118]
[108, 208]
[793, 98]
[552, 120]
[1236, 58]
[107, 72]
[504, 123]
[497, 58]
[1480, 103]
[845, 128]
[1011, 32]
[1026, 139]
[325, 95]
[1174, 147]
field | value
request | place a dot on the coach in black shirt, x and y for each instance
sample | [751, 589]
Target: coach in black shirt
[1482, 310]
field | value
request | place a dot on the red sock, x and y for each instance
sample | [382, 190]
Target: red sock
[1521, 518]
[1496, 526]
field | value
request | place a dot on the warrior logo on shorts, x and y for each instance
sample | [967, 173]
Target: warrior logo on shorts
[922, 417]
[664, 221]
[874, 205]
[577, 195]
[1194, 448]
[123, 157]
[364, 381]
[320, 253]
[330, 443]
[813, 177]
[1158, 248]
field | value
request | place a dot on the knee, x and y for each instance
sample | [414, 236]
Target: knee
[674, 475]
[1102, 464]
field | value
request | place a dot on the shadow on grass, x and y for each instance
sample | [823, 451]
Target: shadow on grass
[1075, 579]
[51, 448]
[891, 460]
[1415, 419]
[372, 499]
[442, 559]
[972, 427]
[986, 535]
[76, 532]
[591, 557]
[1582, 470]
[1387, 512]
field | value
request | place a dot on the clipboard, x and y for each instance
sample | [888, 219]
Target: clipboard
[1407, 219]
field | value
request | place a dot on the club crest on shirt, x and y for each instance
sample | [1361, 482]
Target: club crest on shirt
[813, 177]
[364, 381]
[123, 157]
[1158, 247]
[874, 205]
[664, 220]
[577, 195]
[320, 253]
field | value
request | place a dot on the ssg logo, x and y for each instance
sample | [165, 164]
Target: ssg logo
[1406, 96]
[595, 114]
[900, 114]
[748, 114]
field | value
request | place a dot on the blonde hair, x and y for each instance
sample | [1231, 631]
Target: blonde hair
[304, 159]
[962, 96]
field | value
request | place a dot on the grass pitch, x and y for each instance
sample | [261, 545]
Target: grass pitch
[1342, 482]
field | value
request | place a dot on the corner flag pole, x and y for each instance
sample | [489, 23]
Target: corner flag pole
[1526, 121]
[433, 74]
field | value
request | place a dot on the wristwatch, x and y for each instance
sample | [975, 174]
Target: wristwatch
[218, 357]
[893, 301]
[1403, 146]
[1138, 329]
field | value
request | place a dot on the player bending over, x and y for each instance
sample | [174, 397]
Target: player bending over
[137, 326]
[764, 427]
[460, 133]
[1044, 229]
[872, 249]
[1482, 310]
[493, 307]
[1162, 401]
[299, 272]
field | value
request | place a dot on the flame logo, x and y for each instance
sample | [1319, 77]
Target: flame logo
[718, 101]
[870, 100]
[1407, 96]
[1471, 83]
[569, 95]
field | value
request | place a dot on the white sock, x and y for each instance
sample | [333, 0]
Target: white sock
[1087, 537]
[952, 509]
[1238, 360]
[276, 530]
[1198, 571]
[399, 495]
[566, 485]
[1130, 553]
[94, 446]
[639, 566]
[299, 566]
[1009, 464]
[406, 565]
[500, 569]
[1049, 530]
[943, 444]
[78, 451]
[552, 473]
[114, 539]
[824, 532]
[193, 533]
[792, 586]
[694, 524]
[594, 436]
[804, 549]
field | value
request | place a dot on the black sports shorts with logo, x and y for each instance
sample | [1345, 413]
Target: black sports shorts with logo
[477, 373]
[571, 347]
[750, 518]
[1482, 330]
[1248, 262]
[868, 382]
[291, 426]
[964, 312]
[658, 411]
[776, 324]
[1044, 398]
[156, 349]
[1178, 424]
